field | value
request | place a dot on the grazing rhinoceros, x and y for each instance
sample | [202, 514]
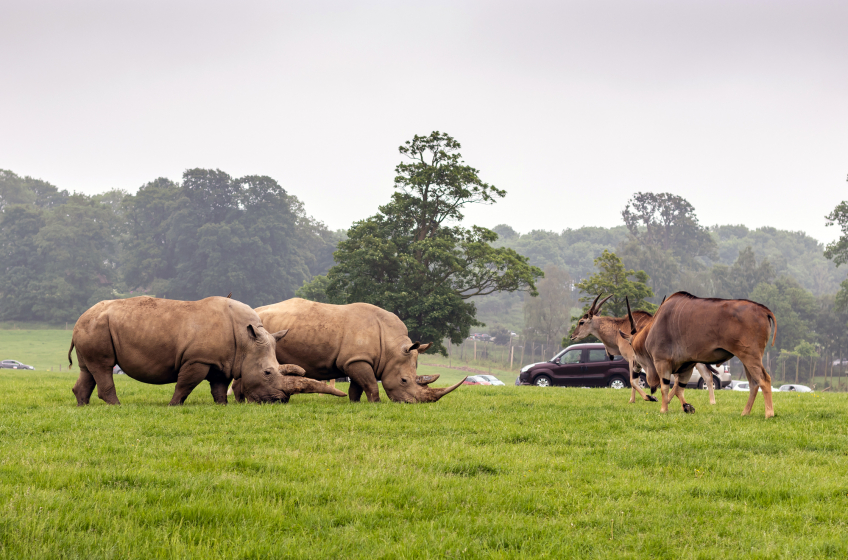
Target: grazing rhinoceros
[360, 341]
[162, 341]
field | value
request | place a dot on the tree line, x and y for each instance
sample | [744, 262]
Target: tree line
[210, 234]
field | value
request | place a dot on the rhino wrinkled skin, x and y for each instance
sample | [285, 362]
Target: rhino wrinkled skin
[360, 341]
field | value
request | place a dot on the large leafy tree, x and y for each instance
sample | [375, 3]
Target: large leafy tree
[668, 222]
[414, 258]
[837, 251]
[215, 234]
[613, 278]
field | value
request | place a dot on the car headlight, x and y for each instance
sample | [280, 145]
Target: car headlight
[525, 369]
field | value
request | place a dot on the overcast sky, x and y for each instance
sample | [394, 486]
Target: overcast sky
[741, 107]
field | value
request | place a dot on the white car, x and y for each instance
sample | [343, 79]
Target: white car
[744, 386]
[491, 379]
[796, 388]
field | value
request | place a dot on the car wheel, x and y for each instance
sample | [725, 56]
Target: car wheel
[702, 384]
[617, 383]
[643, 382]
[542, 381]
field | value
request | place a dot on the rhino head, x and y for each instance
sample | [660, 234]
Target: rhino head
[263, 379]
[400, 379]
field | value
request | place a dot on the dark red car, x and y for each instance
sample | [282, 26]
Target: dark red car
[580, 365]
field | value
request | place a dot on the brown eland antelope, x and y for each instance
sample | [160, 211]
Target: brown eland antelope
[687, 330]
[606, 330]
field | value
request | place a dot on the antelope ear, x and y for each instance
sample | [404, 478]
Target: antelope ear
[626, 337]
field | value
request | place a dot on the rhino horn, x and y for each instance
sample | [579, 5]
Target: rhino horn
[432, 395]
[426, 379]
[292, 385]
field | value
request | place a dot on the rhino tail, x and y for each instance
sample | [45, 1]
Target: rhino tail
[71, 349]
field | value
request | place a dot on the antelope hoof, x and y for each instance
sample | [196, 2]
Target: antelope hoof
[651, 398]
[688, 408]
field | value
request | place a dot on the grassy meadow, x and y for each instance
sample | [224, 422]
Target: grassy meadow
[487, 472]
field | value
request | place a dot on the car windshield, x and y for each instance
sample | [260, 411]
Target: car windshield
[571, 357]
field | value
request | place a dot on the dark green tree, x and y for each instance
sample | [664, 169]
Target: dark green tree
[218, 235]
[668, 222]
[415, 260]
[739, 280]
[794, 309]
[613, 278]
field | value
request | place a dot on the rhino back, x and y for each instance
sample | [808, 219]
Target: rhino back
[152, 338]
[324, 338]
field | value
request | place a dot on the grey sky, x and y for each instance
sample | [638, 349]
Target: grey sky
[741, 107]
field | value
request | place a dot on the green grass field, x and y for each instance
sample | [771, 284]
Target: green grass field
[487, 472]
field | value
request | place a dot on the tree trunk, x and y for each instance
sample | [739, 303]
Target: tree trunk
[523, 344]
[813, 370]
[475, 349]
[797, 367]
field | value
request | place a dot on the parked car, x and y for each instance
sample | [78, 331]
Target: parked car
[733, 384]
[746, 387]
[721, 380]
[580, 365]
[116, 370]
[475, 380]
[14, 364]
[491, 379]
[794, 387]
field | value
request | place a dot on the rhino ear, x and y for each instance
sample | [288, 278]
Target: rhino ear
[423, 348]
[414, 346]
[278, 336]
[251, 331]
[426, 379]
[291, 369]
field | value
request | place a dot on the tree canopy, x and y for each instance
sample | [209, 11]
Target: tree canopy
[414, 258]
[209, 235]
[613, 278]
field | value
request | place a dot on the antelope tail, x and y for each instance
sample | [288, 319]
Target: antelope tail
[70, 361]
[773, 322]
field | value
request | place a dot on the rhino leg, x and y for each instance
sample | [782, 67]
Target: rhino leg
[84, 386]
[363, 375]
[105, 383]
[189, 377]
[218, 384]
[354, 392]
